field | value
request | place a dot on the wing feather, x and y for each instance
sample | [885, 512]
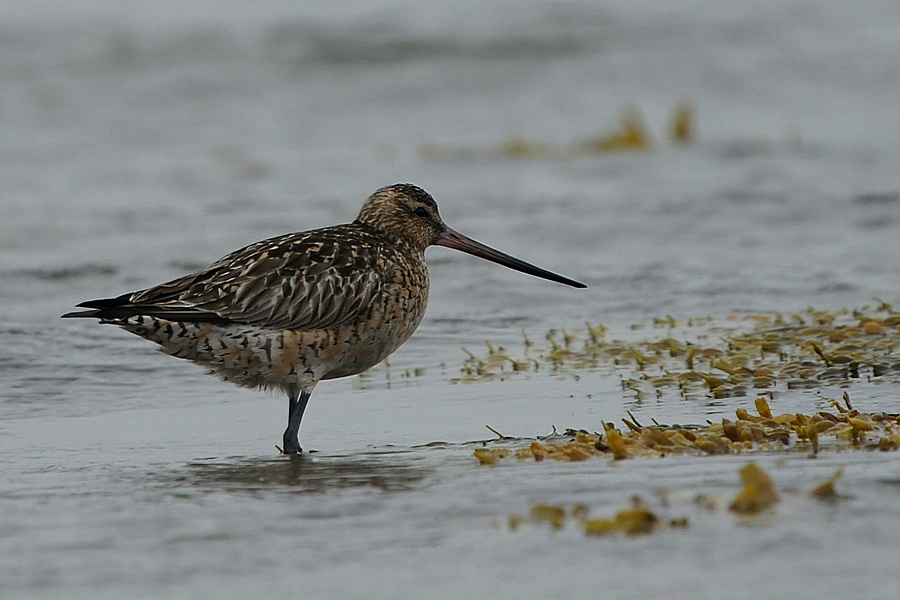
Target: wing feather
[312, 280]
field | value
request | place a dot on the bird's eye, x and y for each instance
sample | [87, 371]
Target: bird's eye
[420, 212]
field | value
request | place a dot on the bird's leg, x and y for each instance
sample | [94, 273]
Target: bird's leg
[296, 407]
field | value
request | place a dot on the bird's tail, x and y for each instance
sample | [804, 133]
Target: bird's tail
[105, 308]
[115, 310]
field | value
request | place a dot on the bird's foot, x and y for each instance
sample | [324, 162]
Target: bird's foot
[291, 445]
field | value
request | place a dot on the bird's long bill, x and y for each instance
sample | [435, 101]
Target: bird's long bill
[457, 241]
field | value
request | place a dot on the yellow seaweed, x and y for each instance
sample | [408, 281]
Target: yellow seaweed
[631, 135]
[757, 494]
[555, 515]
[616, 444]
[489, 456]
[749, 433]
[825, 491]
[682, 124]
[812, 350]
[631, 521]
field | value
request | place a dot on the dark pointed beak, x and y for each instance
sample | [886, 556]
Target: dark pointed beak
[457, 241]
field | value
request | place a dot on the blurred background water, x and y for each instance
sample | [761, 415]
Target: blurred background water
[143, 140]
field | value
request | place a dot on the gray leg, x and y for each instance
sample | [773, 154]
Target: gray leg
[296, 408]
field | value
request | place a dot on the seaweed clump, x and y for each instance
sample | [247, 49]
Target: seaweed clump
[717, 358]
[757, 495]
[845, 428]
[629, 135]
[637, 519]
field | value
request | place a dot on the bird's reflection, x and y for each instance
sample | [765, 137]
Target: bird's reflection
[301, 473]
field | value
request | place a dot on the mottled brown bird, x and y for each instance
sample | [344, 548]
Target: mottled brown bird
[290, 311]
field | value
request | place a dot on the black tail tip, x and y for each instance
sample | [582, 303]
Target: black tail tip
[82, 314]
[99, 307]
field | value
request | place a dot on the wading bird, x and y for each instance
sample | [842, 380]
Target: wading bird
[292, 310]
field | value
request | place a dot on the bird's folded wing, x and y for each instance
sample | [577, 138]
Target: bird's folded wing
[289, 282]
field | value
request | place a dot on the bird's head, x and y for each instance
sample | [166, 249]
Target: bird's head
[405, 213]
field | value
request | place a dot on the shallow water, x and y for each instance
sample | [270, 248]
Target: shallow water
[142, 144]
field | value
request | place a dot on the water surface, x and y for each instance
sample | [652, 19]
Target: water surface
[140, 144]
